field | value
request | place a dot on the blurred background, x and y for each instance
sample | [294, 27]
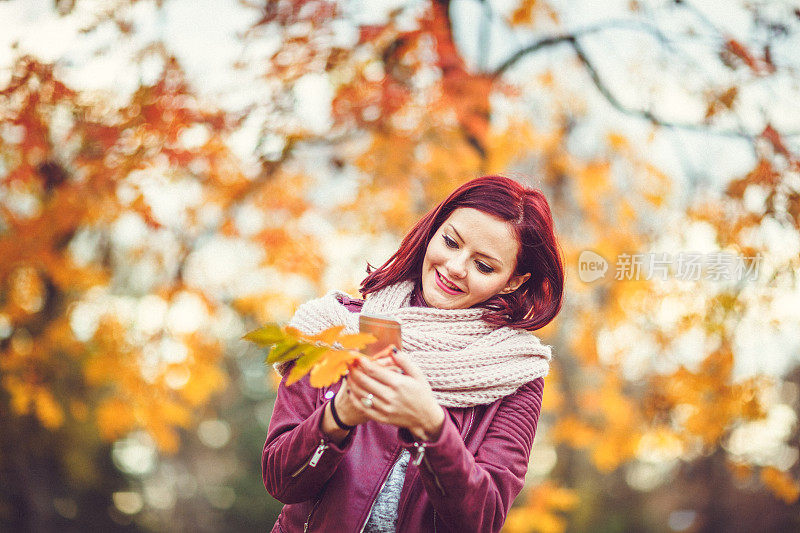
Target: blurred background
[174, 173]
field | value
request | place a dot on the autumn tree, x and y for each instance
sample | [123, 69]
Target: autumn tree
[137, 243]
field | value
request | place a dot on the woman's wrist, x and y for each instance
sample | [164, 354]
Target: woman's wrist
[431, 427]
[337, 418]
[329, 426]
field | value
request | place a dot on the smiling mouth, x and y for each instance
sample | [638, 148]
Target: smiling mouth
[446, 285]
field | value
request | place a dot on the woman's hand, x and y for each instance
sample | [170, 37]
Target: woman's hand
[349, 407]
[401, 399]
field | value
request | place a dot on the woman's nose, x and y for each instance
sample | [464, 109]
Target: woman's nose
[457, 266]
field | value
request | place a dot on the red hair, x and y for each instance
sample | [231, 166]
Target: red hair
[537, 301]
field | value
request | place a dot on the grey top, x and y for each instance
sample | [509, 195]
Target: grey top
[383, 517]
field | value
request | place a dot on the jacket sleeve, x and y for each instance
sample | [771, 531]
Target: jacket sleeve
[474, 493]
[298, 458]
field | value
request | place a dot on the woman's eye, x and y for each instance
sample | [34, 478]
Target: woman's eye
[450, 242]
[483, 267]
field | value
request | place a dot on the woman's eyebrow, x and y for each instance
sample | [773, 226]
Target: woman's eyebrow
[452, 227]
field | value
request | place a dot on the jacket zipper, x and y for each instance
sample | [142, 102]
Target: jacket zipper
[420, 458]
[312, 462]
[364, 525]
[314, 459]
[310, 513]
[469, 423]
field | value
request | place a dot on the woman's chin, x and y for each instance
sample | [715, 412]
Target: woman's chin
[442, 300]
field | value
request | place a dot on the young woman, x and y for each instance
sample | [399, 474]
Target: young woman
[435, 437]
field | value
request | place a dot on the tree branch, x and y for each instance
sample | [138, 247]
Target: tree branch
[573, 40]
[644, 113]
[572, 36]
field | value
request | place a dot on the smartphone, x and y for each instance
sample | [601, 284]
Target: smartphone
[385, 329]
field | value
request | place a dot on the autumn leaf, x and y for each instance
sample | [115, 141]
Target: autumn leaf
[269, 334]
[327, 336]
[355, 341]
[325, 354]
[332, 367]
[306, 362]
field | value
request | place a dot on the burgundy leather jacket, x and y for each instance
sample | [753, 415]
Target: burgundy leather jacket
[466, 480]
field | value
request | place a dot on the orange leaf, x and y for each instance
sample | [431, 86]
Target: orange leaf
[327, 336]
[332, 367]
[356, 341]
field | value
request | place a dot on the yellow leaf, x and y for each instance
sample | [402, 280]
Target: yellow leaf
[305, 362]
[266, 335]
[328, 336]
[356, 341]
[332, 367]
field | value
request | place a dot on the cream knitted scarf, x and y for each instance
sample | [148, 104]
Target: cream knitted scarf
[466, 361]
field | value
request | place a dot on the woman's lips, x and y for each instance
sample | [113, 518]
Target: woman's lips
[444, 287]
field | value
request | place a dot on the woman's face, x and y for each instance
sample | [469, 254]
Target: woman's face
[470, 258]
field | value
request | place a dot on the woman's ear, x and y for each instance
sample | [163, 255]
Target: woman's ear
[515, 282]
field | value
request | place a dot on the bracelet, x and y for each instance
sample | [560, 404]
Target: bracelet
[336, 418]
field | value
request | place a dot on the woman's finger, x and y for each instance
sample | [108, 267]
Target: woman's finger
[369, 384]
[360, 392]
[379, 373]
[407, 365]
[389, 364]
[386, 352]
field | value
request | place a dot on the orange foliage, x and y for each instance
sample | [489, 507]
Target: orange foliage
[415, 121]
[80, 185]
[781, 484]
[543, 510]
[325, 355]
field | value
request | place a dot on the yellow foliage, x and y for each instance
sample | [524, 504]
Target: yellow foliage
[614, 448]
[660, 442]
[266, 307]
[48, 411]
[617, 141]
[572, 430]
[540, 513]
[21, 393]
[165, 436]
[505, 147]
[26, 289]
[171, 413]
[593, 184]
[80, 191]
[584, 343]
[326, 354]
[205, 380]
[781, 484]
[115, 418]
[527, 11]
